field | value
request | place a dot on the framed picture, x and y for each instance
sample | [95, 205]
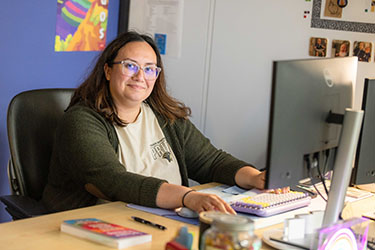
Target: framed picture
[318, 47]
[340, 48]
[362, 50]
[334, 22]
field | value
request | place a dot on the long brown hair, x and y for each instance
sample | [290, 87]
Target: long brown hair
[94, 91]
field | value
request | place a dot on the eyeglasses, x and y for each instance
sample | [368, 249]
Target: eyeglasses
[130, 68]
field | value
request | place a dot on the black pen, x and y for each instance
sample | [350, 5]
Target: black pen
[143, 221]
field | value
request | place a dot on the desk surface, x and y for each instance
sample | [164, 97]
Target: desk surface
[44, 232]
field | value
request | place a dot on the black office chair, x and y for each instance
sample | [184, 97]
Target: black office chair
[32, 120]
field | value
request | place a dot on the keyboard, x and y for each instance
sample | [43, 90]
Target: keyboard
[267, 204]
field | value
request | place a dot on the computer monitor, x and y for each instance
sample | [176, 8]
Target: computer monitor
[311, 115]
[306, 94]
[364, 167]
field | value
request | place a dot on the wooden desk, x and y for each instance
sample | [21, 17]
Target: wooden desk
[43, 232]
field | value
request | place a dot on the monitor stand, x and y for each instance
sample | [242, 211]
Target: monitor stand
[341, 177]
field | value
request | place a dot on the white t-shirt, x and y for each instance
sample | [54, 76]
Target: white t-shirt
[144, 150]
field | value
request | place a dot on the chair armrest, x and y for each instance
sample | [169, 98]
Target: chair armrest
[21, 207]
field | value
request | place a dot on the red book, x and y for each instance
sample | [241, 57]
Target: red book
[104, 232]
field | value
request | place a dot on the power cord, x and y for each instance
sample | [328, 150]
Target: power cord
[308, 162]
[322, 178]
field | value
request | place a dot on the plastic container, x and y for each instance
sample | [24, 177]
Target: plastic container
[232, 232]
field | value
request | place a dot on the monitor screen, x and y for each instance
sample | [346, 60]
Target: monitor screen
[306, 93]
[364, 167]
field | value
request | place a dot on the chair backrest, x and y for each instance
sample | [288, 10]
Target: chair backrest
[32, 120]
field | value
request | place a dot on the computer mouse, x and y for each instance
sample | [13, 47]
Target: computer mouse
[186, 212]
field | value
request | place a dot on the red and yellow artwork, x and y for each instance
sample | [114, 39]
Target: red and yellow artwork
[81, 25]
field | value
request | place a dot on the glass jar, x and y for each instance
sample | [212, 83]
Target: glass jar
[230, 232]
[205, 220]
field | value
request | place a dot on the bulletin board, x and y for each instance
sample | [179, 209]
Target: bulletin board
[358, 18]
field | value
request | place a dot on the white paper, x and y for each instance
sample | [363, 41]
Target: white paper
[163, 20]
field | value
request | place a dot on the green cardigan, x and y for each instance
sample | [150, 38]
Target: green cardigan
[86, 151]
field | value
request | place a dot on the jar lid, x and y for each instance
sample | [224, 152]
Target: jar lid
[233, 222]
[208, 216]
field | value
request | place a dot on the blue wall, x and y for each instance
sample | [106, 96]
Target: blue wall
[28, 60]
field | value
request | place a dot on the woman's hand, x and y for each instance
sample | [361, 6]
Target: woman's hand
[200, 202]
[283, 190]
[249, 177]
[170, 196]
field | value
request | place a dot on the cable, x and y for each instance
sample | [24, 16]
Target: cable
[322, 179]
[311, 178]
[327, 153]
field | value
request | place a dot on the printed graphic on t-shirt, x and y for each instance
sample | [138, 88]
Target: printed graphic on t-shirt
[160, 149]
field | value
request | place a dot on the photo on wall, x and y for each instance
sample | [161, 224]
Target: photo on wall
[318, 46]
[332, 9]
[340, 48]
[362, 50]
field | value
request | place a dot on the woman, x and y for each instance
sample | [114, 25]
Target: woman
[124, 138]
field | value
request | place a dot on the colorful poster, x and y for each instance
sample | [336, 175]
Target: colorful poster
[81, 25]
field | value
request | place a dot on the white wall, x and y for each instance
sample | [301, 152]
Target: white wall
[224, 73]
[187, 75]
